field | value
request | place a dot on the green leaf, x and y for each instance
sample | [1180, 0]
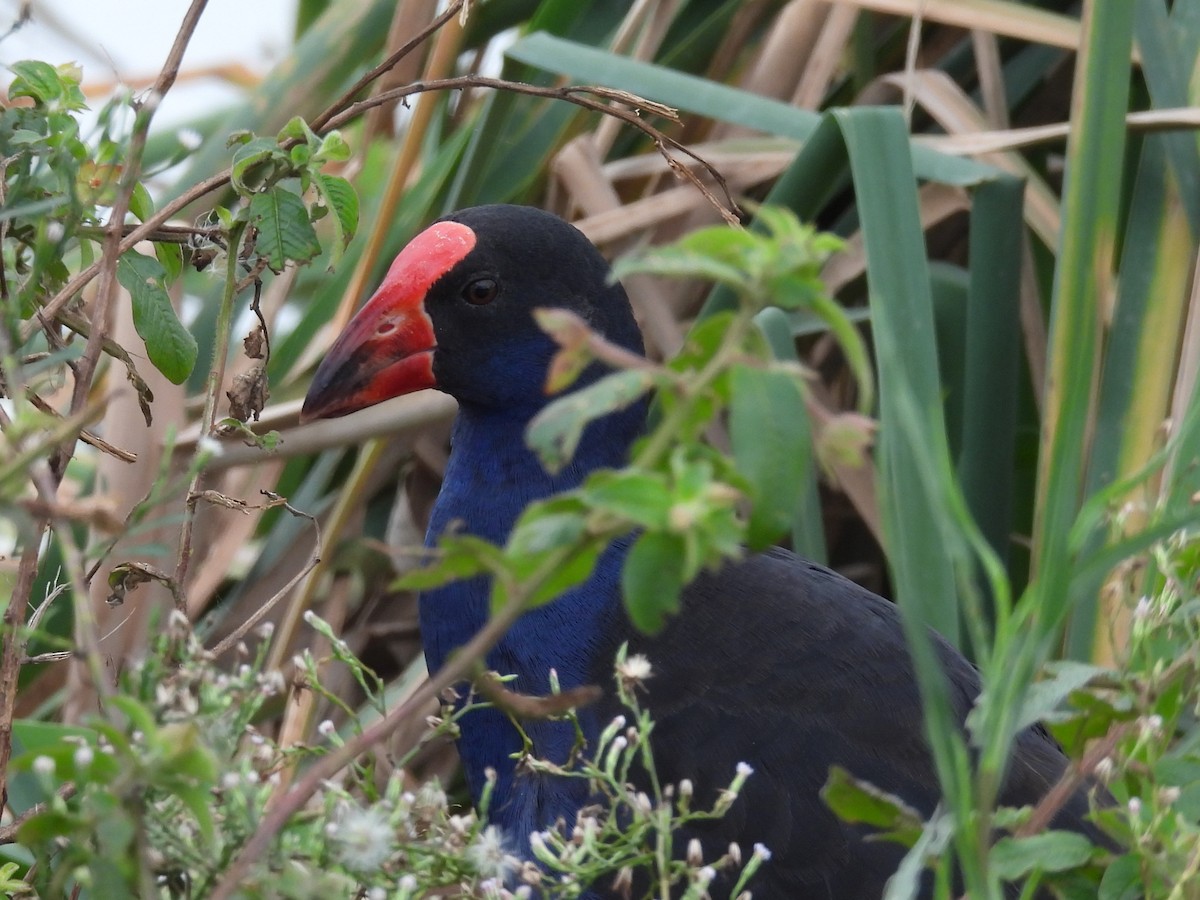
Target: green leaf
[642, 498]
[540, 530]
[257, 164]
[1123, 879]
[858, 801]
[462, 556]
[1046, 697]
[678, 262]
[37, 80]
[652, 579]
[771, 447]
[1051, 851]
[285, 232]
[570, 573]
[141, 204]
[171, 347]
[339, 196]
[554, 433]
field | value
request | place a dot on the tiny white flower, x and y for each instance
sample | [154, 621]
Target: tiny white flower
[707, 874]
[1135, 806]
[364, 838]
[761, 851]
[189, 138]
[265, 630]
[745, 770]
[619, 743]
[1141, 612]
[309, 616]
[376, 893]
[209, 446]
[695, 853]
[487, 855]
[55, 232]
[408, 883]
[44, 766]
[84, 756]
[230, 780]
[327, 728]
[634, 669]
[1169, 795]
[686, 789]
[1104, 768]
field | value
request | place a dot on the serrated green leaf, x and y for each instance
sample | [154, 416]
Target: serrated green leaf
[284, 230]
[653, 579]
[1051, 851]
[771, 447]
[554, 432]
[171, 347]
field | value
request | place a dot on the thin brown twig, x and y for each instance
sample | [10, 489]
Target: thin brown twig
[1072, 779]
[580, 95]
[8, 831]
[314, 560]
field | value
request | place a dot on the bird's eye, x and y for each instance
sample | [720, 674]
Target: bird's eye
[481, 291]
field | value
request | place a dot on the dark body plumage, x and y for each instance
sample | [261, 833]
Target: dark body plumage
[774, 661]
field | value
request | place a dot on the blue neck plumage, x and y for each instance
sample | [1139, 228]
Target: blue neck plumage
[491, 476]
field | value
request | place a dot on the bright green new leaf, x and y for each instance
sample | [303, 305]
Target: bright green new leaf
[171, 347]
[640, 497]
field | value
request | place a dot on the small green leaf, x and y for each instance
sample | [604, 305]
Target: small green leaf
[1123, 879]
[170, 346]
[554, 433]
[1045, 698]
[572, 572]
[461, 556]
[540, 530]
[858, 801]
[340, 197]
[653, 579]
[642, 498]
[1051, 851]
[141, 204]
[37, 80]
[285, 232]
[771, 445]
[676, 262]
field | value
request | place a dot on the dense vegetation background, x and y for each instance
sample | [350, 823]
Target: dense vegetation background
[1017, 186]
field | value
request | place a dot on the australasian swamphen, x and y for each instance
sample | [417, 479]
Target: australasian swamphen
[774, 661]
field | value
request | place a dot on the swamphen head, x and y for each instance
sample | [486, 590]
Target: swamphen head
[455, 312]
